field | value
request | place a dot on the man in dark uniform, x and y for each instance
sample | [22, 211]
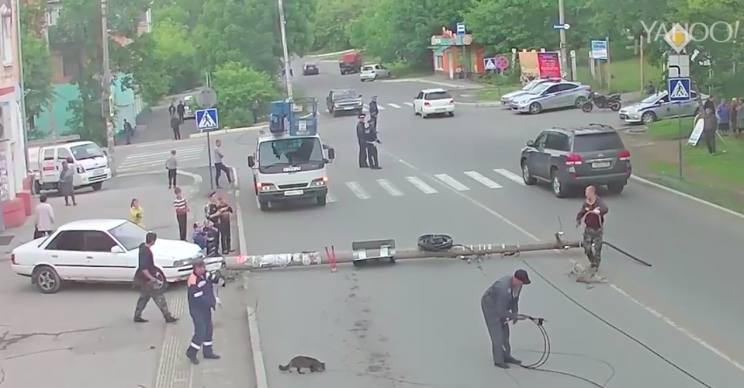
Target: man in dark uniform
[172, 109]
[181, 109]
[592, 214]
[225, 211]
[370, 135]
[145, 278]
[212, 213]
[175, 123]
[361, 129]
[374, 110]
[500, 305]
[202, 301]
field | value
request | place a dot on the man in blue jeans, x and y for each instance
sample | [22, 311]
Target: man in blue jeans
[219, 167]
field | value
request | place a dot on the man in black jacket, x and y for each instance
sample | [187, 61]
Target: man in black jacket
[181, 109]
[370, 135]
[361, 129]
[146, 278]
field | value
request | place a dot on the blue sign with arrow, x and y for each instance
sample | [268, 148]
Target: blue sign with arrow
[207, 119]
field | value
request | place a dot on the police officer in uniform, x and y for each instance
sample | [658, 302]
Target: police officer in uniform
[592, 213]
[202, 301]
[500, 305]
[373, 111]
[370, 135]
[361, 129]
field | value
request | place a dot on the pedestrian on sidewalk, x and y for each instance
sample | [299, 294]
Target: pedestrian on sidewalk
[175, 123]
[212, 212]
[182, 212]
[724, 115]
[225, 212]
[43, 218]
[67, 183]
[172, 166]
[136, 213]
[172, 109]
[181, 109]
[709, 130]
[128, 131]
[219, 166]
[150, 286]
[740, 117]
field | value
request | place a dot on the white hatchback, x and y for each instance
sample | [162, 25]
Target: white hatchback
[373, 72]
[434, 102]
[102, 251]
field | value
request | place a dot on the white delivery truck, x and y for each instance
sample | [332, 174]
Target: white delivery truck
[289, 168]
[88, 160]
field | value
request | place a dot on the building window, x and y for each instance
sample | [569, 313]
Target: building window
[438, 62]
[53, 16]
[7, 42]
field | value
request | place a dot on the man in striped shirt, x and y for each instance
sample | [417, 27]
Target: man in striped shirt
[182, 211]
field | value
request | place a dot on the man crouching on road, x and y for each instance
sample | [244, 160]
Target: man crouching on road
[202, 300]
[592, 213]
[500, 305]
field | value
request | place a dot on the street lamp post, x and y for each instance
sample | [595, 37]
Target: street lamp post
[285, 49]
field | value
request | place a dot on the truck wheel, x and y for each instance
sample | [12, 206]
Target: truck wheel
[322, 200]
[97, 186]
[263, 205]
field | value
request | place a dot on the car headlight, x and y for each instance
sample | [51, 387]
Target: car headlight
[320, 181]
[180, 263]
[265, 186]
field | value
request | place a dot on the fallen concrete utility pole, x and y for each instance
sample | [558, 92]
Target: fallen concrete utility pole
[384, 250]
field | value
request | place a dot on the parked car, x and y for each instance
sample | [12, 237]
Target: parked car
[576, 158]
[310, 68]
[433, 102]
[341, 101]
[191, 107]
[551, 95]
[102, 251]
[373, 72]
[657, 107]
[507, 98]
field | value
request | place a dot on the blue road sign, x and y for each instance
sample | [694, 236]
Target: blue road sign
[564, 26]
[490, 63]
[460, 28]
[679, 89]
[207, 119]
[599, 49]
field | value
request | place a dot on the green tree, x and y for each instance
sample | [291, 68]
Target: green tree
[177, 53]
[37, 64]
[333, 21]
[237, 87]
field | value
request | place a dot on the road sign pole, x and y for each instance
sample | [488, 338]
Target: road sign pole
[209, 160]
[562, 31]
[679, 140]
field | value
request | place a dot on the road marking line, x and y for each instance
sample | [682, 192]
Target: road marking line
[483, 180]
[408, 103]
[380, 107]
[509, 175]
[330, 197]
[622, 292]
[389, 187]
[357, 190]
[394, 105]
[451, 182]
[259, 366]
[421, 185]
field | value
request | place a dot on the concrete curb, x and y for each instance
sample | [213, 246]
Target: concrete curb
[222, 132]
[262, 380]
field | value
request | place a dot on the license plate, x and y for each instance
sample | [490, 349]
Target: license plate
[601, 165]
[289, 193]
[623, 117]
[347, 108]
[440, 110]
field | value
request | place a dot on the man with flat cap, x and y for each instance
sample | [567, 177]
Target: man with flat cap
[361, 133]
[500, 306]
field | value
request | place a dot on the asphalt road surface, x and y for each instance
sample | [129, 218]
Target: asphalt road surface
[420, 323]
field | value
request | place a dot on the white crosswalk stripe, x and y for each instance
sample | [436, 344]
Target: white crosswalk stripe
[421, 185]
[389, 187]
[396, 106]
[357, 189]
[330, 198]
[451, 182]
[145, 160]
[408, 103]
[483, 180]
[509, 175]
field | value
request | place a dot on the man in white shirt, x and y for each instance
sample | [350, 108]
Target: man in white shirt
[44, 218]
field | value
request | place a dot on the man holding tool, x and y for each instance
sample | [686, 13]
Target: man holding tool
[202, 300]
[592, 212]
[500, 304]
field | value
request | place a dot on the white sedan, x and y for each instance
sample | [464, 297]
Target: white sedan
[434, 102]
[102, 251]
[373, 72]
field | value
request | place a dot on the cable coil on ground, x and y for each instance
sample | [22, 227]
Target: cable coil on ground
[435, 242]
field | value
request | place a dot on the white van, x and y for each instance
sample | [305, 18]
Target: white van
[89, 161]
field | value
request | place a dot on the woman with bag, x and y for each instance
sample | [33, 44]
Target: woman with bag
[44, 218]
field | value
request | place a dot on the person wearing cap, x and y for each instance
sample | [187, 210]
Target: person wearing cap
[202, 300]
[500, 305]
[361, 129]
[370, 134]
[374, 110]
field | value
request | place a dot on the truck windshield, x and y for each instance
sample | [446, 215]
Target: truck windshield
[292, 154]
[86, 151]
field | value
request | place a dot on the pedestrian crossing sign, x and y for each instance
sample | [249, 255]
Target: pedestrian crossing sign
[679, 89]
[207, 119]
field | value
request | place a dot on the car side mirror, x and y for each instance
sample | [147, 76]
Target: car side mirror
[251, 161]
[360, 96]
[331, 153]
[325, 146]
[116, 249]
[530, 143]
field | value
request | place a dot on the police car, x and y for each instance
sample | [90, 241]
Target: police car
[101, 251]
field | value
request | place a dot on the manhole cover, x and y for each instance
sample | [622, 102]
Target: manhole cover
[6, 240]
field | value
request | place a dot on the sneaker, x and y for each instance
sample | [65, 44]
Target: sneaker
[211, 356]
[501, 365]
[139, 320]
[171, 319]
[512, 360]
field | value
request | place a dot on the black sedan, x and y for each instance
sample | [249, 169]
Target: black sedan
[310, 69]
